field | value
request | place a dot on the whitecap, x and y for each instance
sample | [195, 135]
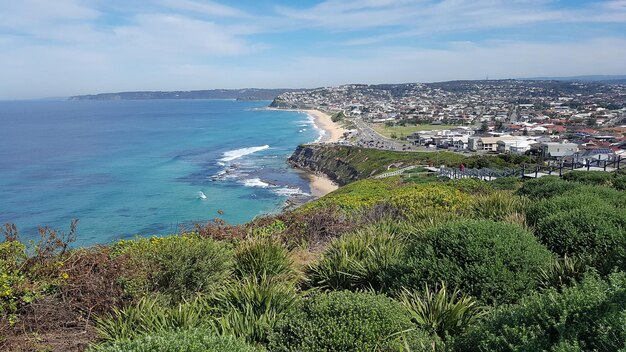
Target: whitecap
[321, 131]
[255, 182]
[201, 195]
[288, 191]
[238, 153]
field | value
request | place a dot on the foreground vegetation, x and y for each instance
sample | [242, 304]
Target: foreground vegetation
[416, 264]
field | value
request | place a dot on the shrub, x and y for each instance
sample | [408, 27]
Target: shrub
[619, 182]
[563, 272]
[607, 195]
[495, 262]
[251, 307]
[590, 316]
[263, 257]
[499, 205]
[541, 209]
[346, 321]
[471, 185]
[357, 261]
[590, 177]
[182, 265]
[150, 316]
[194, 340]
[29, 273]
[440, 198]
[441, 312]
[545, 187]
[511, 183]
[595, 231]
[355, 196]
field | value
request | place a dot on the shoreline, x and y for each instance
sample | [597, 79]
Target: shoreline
[332, 131]
[320, 184]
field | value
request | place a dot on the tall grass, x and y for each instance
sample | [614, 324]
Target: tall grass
[150, 316]
[563, 272]
[264, 257]
[441, 311]
[251, 307]
[358, 261]
[500, 206]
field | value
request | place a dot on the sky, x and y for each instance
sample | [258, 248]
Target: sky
[69, 47]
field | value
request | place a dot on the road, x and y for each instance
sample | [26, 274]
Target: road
[369, 138]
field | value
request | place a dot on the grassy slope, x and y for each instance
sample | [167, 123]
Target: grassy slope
[368, 162]
[407, 130]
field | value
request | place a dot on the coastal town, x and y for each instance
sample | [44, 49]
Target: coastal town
[546, 120]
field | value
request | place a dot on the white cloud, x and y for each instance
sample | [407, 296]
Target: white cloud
[209, 8]
[422, 17]
[178, 36]
[17, 14]
[459, 61]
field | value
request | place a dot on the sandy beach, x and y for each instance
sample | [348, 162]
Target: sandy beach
[321, 185]
[334, 131]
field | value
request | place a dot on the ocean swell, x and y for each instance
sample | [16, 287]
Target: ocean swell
[238, 153]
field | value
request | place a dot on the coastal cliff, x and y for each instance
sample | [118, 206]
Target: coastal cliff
[345, 164]
[324, 159]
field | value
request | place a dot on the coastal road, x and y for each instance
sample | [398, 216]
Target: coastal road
[372, 139]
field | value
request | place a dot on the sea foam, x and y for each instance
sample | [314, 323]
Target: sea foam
[238, 153]
[255, 182]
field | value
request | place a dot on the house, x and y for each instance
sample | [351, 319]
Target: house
[489, 144]
[552, 150]
[518, 146]
[594, 154]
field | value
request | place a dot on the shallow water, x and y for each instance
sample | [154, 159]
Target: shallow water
[144, 167]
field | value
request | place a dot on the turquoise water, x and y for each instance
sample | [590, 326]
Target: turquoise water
[126, 168]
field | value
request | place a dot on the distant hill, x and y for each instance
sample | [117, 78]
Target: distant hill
[239, 94]
[611, 79]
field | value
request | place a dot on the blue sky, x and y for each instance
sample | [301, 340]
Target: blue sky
[68, 47]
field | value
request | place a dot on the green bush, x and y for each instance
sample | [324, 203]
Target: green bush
[619, 182]
[511, 183]
[347, 321]
[195, 340]
[590, 177]
[151, 316]
[595, 231]
[356, 195]
[540, 209]
[357, 261]
[494, 262]
[590, 316]
[471, 185]
[442, 312]
[251, 307]
[499, 205]
[263, 257]
[441, 198]
[182, 265]
[545, 187]
[606, 194]
[563, 272]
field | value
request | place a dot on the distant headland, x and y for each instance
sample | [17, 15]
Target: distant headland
[238, 94]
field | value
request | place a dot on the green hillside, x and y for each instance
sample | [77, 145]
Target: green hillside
[398, 264]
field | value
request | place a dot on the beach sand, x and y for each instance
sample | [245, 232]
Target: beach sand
[334, 131]
[320, 185]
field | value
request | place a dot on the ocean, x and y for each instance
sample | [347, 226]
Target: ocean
[128, 168]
